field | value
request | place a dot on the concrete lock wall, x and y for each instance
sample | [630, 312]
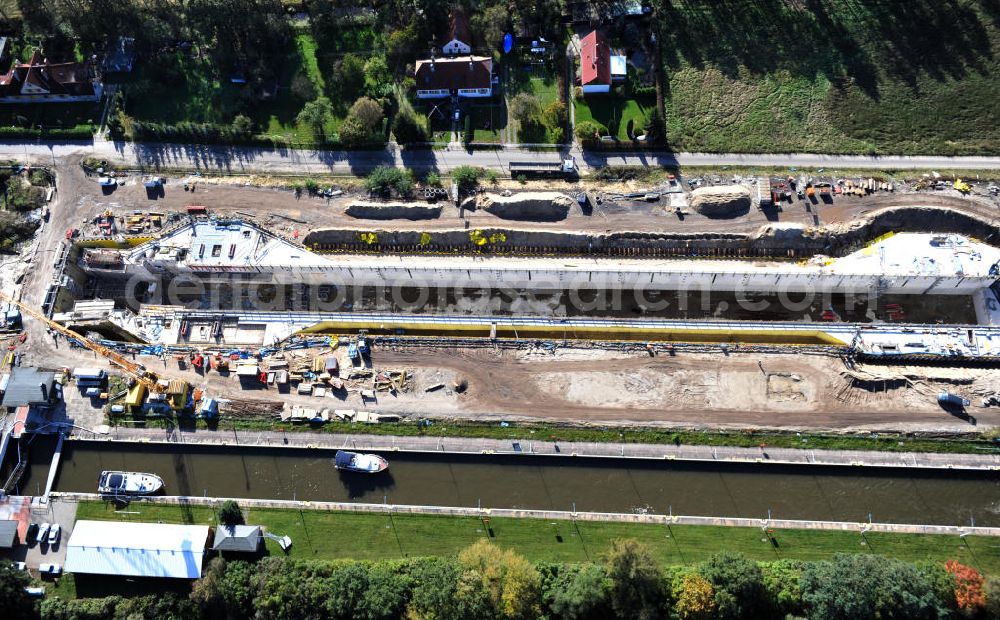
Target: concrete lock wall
[556, 274]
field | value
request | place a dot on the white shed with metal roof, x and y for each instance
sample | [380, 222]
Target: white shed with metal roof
[137, 549]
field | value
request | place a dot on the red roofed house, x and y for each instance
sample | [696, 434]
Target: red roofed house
[595, 64]
[39, 81]
[468, 76]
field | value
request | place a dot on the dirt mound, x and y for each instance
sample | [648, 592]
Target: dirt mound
[534, 206]
[393, 210]
[721, 201]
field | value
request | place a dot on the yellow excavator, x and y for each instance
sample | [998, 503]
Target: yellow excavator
[962, 186]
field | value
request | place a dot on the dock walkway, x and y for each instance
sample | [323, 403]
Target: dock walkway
[468, 445]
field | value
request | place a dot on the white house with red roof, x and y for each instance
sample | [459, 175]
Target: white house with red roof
[595, 64]
[465, 77]
[460, 39]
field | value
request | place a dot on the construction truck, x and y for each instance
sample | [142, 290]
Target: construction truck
[962, 186]
[565, 167]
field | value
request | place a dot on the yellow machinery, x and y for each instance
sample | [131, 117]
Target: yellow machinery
[136, 371]
[962, 186]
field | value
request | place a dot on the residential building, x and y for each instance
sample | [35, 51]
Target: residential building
[465, 77]
[619, 69]
[595, 64]
[39, 81]
[460, 40]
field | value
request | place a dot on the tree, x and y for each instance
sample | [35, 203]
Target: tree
[369, 112]
[491, 24]
[694, 598]
[525, 108]
[555, 115]
[590, 130]
[14, 601]
[968, 587]
[656, 129]
[991, 590]
[230, 513]
[240, 585]
[466, 177]
[349, 76]
[206, 593]
[401, 46]
[781, 579]
[302, 87]
[242, 126]
[432, 179]
[378, 78]
[867, 586]
[739, 587]
[512, 584]
[579, 593]
[385, 179]
[407, 128]
[315, 115]
[636, 590]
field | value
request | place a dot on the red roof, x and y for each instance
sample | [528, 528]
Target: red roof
[462, 72]
[68, 78]
[595, 60]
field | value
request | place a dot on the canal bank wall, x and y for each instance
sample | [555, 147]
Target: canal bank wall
[553, 448]
[638, 518]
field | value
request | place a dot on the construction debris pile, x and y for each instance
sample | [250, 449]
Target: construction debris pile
[533, 206]
[721, 200]
[393, 210]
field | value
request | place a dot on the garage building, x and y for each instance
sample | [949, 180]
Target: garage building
[137, 549]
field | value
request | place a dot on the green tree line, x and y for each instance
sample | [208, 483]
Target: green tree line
[486, 581]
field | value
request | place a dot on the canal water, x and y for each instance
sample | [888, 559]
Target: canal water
[903, 495]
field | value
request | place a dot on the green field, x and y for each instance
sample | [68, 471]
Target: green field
[329, 535]
[838, 76]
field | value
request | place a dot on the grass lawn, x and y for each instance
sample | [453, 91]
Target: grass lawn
[614, 112]
[492, 116]
[844, 76]
[329, 535]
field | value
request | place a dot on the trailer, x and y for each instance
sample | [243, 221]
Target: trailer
[565, 167]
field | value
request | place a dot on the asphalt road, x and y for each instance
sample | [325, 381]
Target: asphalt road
[253, 159]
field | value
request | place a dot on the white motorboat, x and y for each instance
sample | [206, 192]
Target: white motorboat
[128, 483]
[364, 463]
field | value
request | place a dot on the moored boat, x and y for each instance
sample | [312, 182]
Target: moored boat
[364, 463]
[128, 483]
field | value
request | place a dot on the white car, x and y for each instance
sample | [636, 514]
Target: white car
[35, 591]
[20, 566]
[43, 532]
[54, 534]
[49, 569]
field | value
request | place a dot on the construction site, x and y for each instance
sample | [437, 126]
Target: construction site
[782, 302]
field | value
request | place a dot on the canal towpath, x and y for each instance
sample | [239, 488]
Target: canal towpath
[544, 447]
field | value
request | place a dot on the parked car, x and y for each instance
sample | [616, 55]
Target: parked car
[50, 569]
[43, 532]
[32, 532]
[35, 591]
[20, 566]
[54, 534]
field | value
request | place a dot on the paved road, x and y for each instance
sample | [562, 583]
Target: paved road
[247, 159]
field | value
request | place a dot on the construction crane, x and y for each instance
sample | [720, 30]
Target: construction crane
[136, 371]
